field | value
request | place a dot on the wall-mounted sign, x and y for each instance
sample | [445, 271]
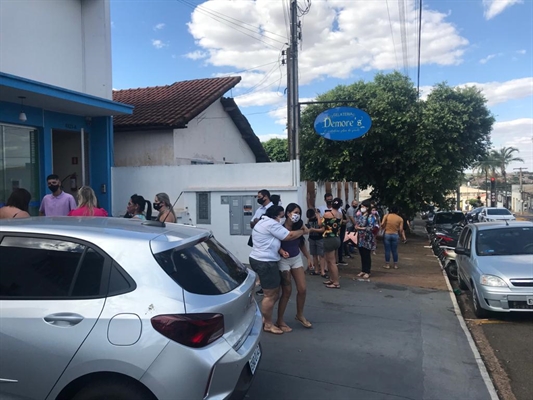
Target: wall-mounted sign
[342, 123]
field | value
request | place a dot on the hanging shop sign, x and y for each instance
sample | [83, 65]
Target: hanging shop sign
[342, 123]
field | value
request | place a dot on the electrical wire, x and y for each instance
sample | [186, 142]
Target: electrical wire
[392, 34]
[223, 18]
[419, 47]
[257, 85]
[403, 32]
[249, 69]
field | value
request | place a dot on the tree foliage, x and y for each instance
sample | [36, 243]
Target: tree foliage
[277, 149]
[416, 151]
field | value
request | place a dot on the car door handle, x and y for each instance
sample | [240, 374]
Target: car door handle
[63, 319]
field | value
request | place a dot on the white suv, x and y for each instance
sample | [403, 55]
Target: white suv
[489, 214]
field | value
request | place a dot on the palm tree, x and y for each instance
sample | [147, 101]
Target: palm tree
[504, 157]
[487, 164]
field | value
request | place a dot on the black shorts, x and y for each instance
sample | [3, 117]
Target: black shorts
[268, 273]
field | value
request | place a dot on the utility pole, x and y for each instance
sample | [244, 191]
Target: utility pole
[521, 189]
[293, 106]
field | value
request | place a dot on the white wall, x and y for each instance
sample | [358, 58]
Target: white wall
[65, 43]
[212, 136]
[143, 148]
[219, 180]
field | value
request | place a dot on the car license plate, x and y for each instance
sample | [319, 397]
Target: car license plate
[529, 300]
[254, 360]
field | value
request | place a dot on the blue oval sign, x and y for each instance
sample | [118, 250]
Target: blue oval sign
[342, 123]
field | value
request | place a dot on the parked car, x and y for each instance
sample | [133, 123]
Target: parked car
[445, 220]
[495, 262]
[109, 308]
[488, 214]
[472, 215]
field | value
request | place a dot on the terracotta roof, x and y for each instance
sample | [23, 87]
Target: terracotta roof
[244, 127]
[171, 106]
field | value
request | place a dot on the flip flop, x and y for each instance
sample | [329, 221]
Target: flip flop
[305, 323]
[272, 329]
[333, 286]
[325, 276]
[366, 276]
[284, 328]
[328, 282]
[360, 274]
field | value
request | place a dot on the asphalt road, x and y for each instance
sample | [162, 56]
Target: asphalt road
[370, 340]
[510, 337]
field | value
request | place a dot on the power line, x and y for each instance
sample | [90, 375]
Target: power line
[222, 17]
[392, 34]
[403, 32]
[250, 69]
[419, 47]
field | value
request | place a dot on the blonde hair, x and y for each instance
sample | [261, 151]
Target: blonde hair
[87, 198]
[163, 198]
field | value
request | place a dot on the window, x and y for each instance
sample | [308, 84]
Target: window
[505, 241]
[47, 268]
[203, 208]
[449, 218]
[119, 283]
[498, 211]
[206, 268]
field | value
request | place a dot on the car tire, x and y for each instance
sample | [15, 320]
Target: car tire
[478, 311]
[113, 390]
[462, 284]
[451, 271]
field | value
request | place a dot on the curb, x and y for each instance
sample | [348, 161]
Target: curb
[481, 365]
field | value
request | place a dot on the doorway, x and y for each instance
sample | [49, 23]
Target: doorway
[70, 159]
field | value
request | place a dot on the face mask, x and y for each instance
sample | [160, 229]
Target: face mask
[374, 212]
[295, 218]
[329, 203]
[261, 201]
[157, 206]
[363, 210]
[282, 220]
[53, 188]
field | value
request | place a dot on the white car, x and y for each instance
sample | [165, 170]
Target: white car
[489, 214]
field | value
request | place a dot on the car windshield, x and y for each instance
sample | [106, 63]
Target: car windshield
[498, 211]
[449, 218]
[507, 241]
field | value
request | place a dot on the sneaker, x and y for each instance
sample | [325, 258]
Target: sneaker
[342, 263]
[260, 292]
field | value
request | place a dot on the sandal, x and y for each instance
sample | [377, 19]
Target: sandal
[328, 282]
[304, 322]
[325, 276]
[360, 274]
[333, 286]
[272, 329]
[313, 272]
[366, 276]
[285, 328]
[386, 266]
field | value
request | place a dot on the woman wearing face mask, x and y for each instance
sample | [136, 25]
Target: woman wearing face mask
[163, 205]
[365, 226]
[291, 265]
[136, 207]
[332, 223]
[267, 236]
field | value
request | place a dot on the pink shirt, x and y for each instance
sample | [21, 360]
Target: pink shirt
[57, 206]
[84, 212]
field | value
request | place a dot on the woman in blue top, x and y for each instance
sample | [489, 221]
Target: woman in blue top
[291, 265]
[366, 226]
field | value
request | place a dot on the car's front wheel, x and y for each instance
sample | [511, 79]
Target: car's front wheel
[478, 311]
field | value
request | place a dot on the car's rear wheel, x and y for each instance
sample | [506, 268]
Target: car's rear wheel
[478, 311]
[109, 390]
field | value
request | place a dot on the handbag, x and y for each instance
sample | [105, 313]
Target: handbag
[250, 241]
[381, 230]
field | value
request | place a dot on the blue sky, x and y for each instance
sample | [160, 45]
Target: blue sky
[484, 42]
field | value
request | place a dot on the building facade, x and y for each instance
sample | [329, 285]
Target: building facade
[56, 102]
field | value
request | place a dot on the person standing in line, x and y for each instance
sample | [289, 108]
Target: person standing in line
[291, 266]
[342, 233]
[316, 243]
[59, 203]
[163, 205]
[331, 220]
[267, 236]
[350, 224]
[393, 225]
[365, 226]
[263, 199]
[87, 204]
[328, 198]
[17, 205]
[136, 207]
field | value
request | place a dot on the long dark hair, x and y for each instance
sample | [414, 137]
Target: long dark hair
[290, 208]
[142, 203]
[20, 198]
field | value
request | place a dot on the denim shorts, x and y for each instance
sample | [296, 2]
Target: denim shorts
[316, 247]
[268, 273]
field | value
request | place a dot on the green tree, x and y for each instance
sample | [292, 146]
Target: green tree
[503, 158]
[415, 152]
[277, 149]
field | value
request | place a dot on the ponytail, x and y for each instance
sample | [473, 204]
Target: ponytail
[148, 210]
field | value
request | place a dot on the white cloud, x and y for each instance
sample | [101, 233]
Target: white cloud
[337, 38]
[515, 133]
[266, 137]
[489, 57]
[159, 26]
[495, 7]
[261, 98]
[501, 92]
[523, 51]
[196, 55]
[158, 44]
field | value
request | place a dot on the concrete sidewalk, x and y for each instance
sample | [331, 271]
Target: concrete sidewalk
[370, 341]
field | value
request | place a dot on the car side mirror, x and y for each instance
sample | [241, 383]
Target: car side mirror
[462, 250]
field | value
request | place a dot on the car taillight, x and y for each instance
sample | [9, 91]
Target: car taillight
[192, 330]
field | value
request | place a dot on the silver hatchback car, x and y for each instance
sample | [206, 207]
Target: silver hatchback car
[495, 262]
[108, 308]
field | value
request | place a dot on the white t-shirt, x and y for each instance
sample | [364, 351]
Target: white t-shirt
[261, 211]
[323, 209]
[267, 236]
